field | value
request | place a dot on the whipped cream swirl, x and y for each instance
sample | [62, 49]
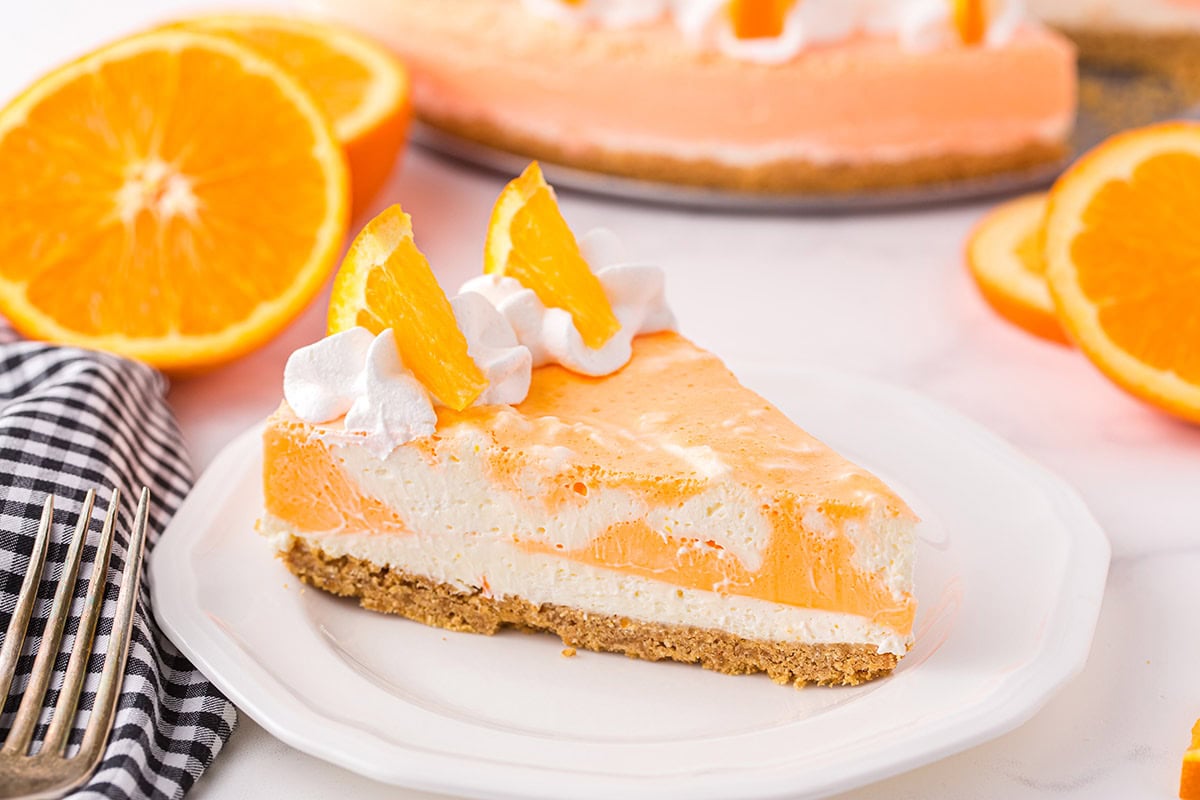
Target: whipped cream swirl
[919, 25]
[635, 292]
[363, 378]
[605, 13]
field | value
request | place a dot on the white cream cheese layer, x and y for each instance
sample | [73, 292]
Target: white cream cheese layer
[472, 562]
[459, 498]
[454, 503]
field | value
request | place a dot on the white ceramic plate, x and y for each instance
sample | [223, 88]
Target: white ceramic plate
[1010, 576]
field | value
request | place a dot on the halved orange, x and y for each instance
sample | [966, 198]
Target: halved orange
[1004, 254]
[529, 240]
[758, 19]
[174, 197]
[1122, 253]
[1189, 780]
[361, 86]
[385, 282]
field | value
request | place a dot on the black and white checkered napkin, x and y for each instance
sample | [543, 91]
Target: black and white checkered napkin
[71, 420]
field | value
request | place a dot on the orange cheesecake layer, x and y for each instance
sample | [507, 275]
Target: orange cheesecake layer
[667, 431]
[646, 90]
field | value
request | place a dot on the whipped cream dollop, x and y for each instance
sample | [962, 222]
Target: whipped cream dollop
[603, 13]
[635, 291]
[919, 25]
[362, 377]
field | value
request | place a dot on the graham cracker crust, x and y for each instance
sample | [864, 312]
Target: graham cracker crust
[776, 177]
[441, 605]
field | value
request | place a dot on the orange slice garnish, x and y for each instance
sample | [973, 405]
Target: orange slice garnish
[970, 20]
[1123, 261]
[361, 86]
[385, 282]
[758, 19]
[529, 240]
[1004, 255]
[1189, 780]
[174, 197]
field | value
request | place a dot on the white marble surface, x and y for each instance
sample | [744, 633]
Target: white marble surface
[885, 295]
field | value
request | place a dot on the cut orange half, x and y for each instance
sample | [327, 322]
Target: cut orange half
[529, 240]
[174, 197]
[1123, 261]
[385, 282]
[361, 86]
[1189, 781]
[1004, 254]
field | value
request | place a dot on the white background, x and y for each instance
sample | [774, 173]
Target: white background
[885, 295]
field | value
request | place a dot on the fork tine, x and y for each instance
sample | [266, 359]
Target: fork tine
[43, 666]
[15, 636]
[100, 722]
[68, 696]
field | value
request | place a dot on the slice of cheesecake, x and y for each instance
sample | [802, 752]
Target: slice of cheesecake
[664, 511]
[629, 495]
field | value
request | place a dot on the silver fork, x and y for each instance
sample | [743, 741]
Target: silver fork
[50, 772]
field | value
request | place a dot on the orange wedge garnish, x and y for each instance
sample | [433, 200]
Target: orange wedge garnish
[1123, 261]
[758, 19]
[1004, 254]
[174, 197]
[1189, 781]
[385, 282]
[361, 86]
[970, 20]
[529, 240]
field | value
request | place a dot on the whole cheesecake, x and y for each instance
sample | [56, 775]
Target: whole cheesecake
[815, 96]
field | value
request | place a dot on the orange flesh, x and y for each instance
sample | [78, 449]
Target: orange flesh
[400, 292]
[335, 80]
[148, 213]
[670, 391]
[970, 19]
[1029, 252]
[758, 19]
[1138, 260]
[1189, 781]
[529, 240]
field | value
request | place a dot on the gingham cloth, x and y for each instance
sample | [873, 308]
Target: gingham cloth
[71, 420]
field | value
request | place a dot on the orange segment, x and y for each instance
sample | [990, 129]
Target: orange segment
[529, 240]
[1004, 254]
[385, 282]
[758, 19]
[361, 86]
[970, 20]
[140, 215]
[1189, 780]
[1123, 261]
